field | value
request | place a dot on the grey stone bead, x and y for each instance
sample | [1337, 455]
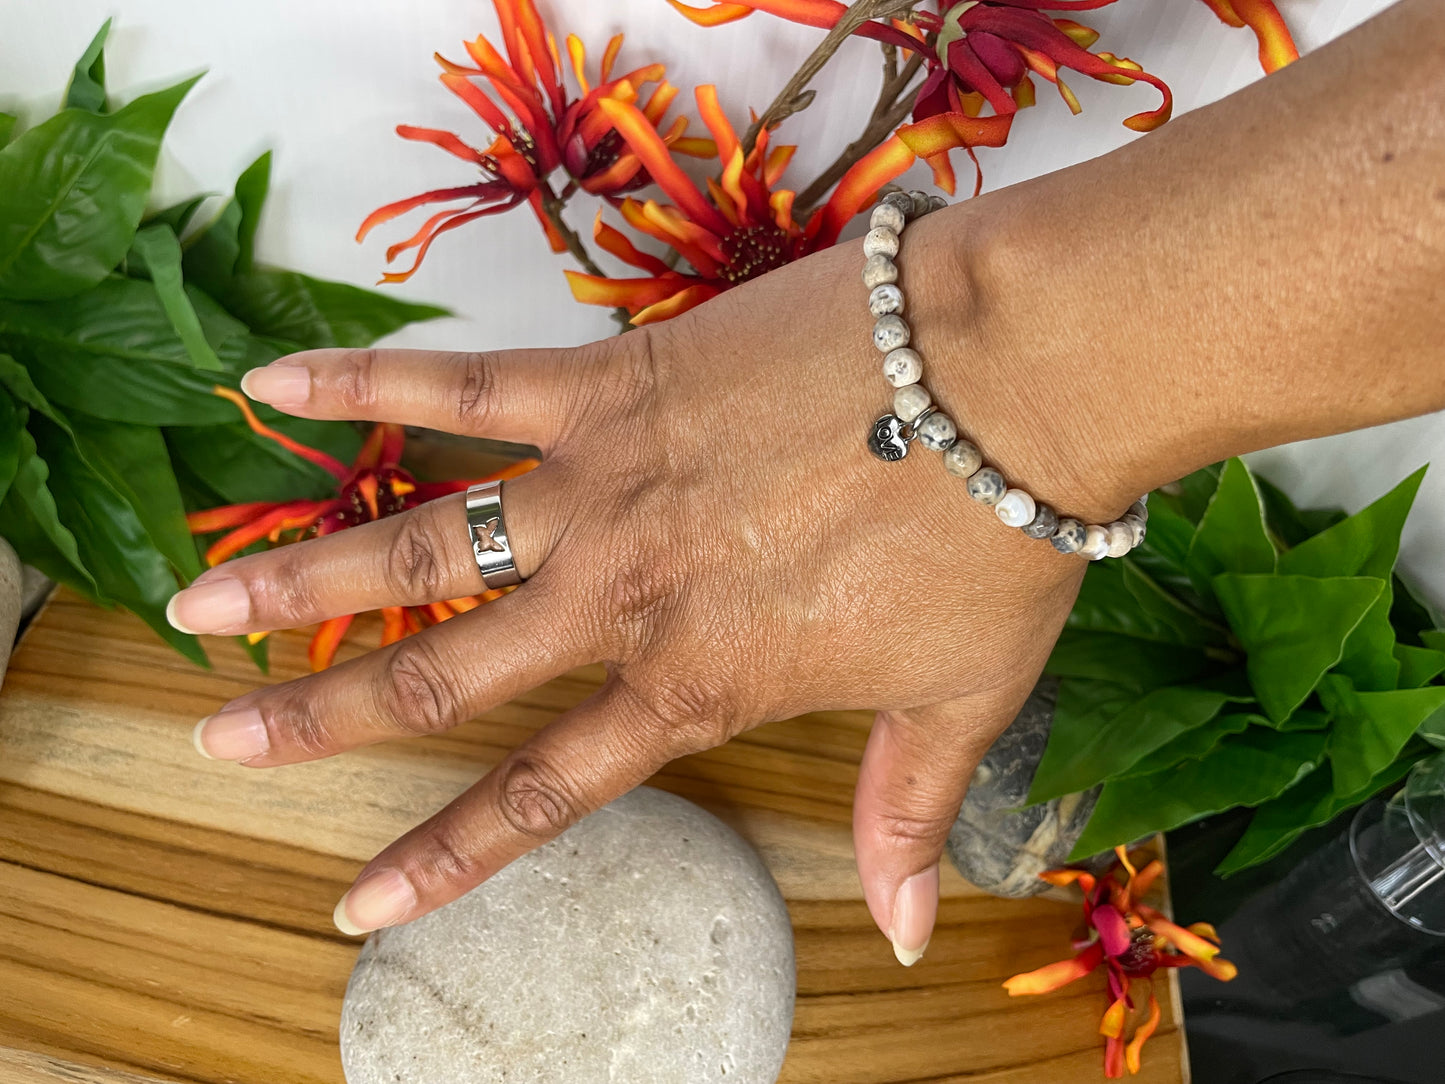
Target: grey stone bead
[936, 203]
[1044, 523]
[889, 333]
[999, 842]
[877, 270]
[1121, 538]
[987, 486]
[937, 432]
[902, 366]
[902, 200]
[921, 205]
[1069, 536]
[1137, 525]
[1096, 543]
[889, 216]
[646, 943]
[880, 241]
[962, 459]
[885, 299]
[910, 401]
[1140, 509]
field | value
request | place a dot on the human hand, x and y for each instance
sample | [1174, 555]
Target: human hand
[707, 521]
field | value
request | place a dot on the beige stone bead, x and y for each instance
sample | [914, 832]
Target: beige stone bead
[962, 459]
[878, 270]
[1096, 543]
[910, 401]
[902, 366]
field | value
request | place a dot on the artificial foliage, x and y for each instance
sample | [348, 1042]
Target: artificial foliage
[116, 325]
[1249, 653]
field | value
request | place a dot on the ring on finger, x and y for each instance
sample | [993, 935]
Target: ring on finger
[488, 530]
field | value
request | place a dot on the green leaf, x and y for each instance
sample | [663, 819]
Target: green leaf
[1193, 744]
[1408, 614]
[1231, 536]
[177, 216]
[87, 85]
[242, 466]
[251, 189]
[211, 254]
[33, 527]
[1100, 731]
[1371, 727]
[1110, 601]
[7, 127]
[1165, 551]
[1189, 496]
[12, 423]
[76, 188]
[1433, 638]
[161, 251]
[1303, 719]
[1185, 624]
[1365, 544]
[1244, 769]
[1418, 665]
[1123, 660]
[16, 378]
[1293, 629]
[315, 313]
[1369, 655]
[1312, 802]
[1293, 525]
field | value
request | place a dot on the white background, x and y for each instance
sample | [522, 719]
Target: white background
[324, 82]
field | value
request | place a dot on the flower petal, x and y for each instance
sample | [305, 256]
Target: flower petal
[634, 295]
[1114, 932]
[436, 195]
[642, 137]
[1276, 46]
[327, 639]
[616, 242]
[677, 304]
[459, 220]
[1135, 1049]
[227, 516]
[716, 15]
[856, 189]
[1051, 977]
[327, 463]
[1112, 1024]
[445, 140]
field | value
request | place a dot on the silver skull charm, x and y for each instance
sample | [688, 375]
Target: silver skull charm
[885, 439]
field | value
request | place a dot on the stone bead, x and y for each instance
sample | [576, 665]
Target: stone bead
[1044, 523]
[902, 200]
[889, 216]
[1016, 509]
[878, 270]
[936, 203]
[903, 366]
[889, 333]
[1096, 543]
[937, 432]
[1137, 525]
[921, 206]
[962, 459]
[885, 299]
[880, 242]
[987, 486]
[910, 401]
[1069, 536]
[1121, 538]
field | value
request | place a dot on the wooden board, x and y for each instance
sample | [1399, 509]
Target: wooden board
[170, 917]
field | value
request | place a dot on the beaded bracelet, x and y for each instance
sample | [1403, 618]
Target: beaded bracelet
[916, 417]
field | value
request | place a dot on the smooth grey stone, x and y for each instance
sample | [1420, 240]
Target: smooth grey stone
[1044, 523]
[11, 580]
[999, 844]
[902, 200]
[646, 943]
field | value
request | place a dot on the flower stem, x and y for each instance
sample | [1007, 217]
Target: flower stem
[552, 206]
[795, 96]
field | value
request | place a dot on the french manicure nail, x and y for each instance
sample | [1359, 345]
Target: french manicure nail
[210, 606]
[914, 910]
[231, 735]
[280, 385]
[377, 900]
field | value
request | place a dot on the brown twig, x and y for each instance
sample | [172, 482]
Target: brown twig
[552, 206]
[895, 102]
[795, 95]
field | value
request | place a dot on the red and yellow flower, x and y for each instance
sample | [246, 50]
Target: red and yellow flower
[371, 488]
[1130, 940]
[741, 228]
[535, 127]
[1276, 46]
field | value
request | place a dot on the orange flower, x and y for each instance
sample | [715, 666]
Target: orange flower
[373, 487]
[534, 127]
[1276, 46]
[1132, 941]
[744, 227]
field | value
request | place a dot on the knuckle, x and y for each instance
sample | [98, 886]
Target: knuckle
[692, 712]
[475, 391]
[448, 856]
[640, 592]
[288, 589]
[297, 722]
[534, 799]
[413, 565]
[909, 832]
[353, 382]
[636, 371]
[417, 692]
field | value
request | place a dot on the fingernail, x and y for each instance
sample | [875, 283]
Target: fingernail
[280, 385]
[231, 735]
[914, 910]
[212, 606]
[377, 900]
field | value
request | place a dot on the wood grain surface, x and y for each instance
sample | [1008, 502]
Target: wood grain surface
[170, 917]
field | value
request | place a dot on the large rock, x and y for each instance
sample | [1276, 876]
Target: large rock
[10, 591]
[999, 844]
[648, 943]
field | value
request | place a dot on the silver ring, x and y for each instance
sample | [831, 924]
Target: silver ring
[488, 531]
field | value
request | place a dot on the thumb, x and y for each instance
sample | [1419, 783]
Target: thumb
[911, 782]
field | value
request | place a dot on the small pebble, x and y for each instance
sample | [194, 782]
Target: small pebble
[877, 270]
[910, 401]
[1121, 538]
[1069, 536]
[880, 242]
[1016, 509]
[937, 432]
[903, 366]
[1044, 523]
[987, 486]
[921, 204]
[962, 459]
[1096, 543]
[888, 216]
[889, 333]
[885, 299]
